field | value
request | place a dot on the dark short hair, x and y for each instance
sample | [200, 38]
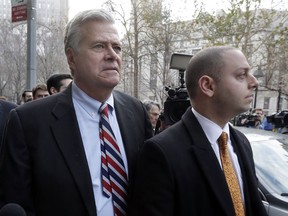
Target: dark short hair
[24, 92]
[55, 81]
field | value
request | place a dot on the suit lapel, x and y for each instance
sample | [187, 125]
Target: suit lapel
[248, 173]
[2, 122]
[1, 114]
[68, 138]
[126, 121]
[208, 162]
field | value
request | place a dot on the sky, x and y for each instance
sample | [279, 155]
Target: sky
[76, 6]
[182, 9]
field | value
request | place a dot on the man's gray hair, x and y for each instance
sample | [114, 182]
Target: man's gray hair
[148, 104]
[72, 32]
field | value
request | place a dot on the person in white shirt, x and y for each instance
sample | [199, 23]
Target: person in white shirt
[51, 157]
[179, 170]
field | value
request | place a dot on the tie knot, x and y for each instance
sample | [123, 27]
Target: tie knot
[103, 109]
[222, 140]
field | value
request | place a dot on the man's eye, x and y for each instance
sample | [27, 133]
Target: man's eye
[242, 76]
[117, 49]
[99, 46]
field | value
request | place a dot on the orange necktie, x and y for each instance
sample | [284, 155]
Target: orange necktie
[230, 175]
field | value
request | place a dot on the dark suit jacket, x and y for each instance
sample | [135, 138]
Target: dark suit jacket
[43, 164]
[5, 108]
[179, 174]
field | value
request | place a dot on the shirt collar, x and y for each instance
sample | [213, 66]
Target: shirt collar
[88, 103]
[211, 129]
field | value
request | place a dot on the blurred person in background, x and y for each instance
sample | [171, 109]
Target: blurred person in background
[27, 96]
[153, 108]
[40, 91]
[2, 97]
[58, 82]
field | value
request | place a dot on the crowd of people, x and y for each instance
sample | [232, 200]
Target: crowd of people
[256, 118]
[54, 84]
[93, 150]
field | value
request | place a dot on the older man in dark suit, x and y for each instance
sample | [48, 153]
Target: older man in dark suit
[5, 108]
[201, 165]
[68, 154]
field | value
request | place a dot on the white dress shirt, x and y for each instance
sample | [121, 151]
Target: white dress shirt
[88, 120]
[213, 132]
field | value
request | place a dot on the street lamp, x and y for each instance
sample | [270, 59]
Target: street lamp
[258, 74]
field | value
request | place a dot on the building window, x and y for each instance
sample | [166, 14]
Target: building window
[266, 104]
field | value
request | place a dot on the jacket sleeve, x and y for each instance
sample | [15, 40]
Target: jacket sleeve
[15, 166]
[152, 193]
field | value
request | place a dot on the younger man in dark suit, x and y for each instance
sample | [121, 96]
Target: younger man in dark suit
[182, 171]
[52, 161]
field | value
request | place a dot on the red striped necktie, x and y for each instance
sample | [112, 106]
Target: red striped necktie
[114, 177]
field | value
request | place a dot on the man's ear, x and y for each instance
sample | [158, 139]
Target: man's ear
[70, 54]
[207, 85]
[53, 90]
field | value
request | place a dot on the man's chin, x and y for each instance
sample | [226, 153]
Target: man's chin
[112, 83]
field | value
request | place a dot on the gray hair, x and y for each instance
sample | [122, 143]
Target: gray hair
[208, 62]
[148, 105]
[72, 32]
